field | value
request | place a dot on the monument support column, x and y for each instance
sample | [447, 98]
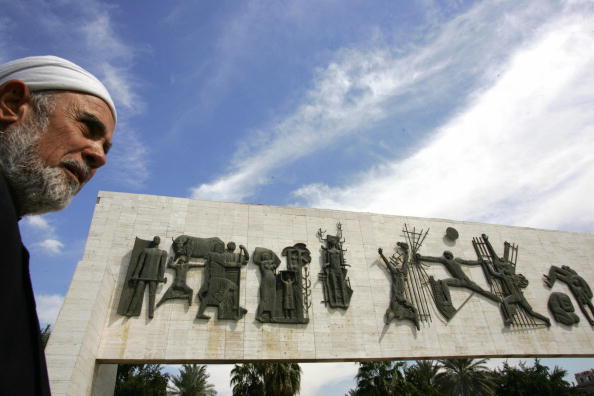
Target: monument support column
[73, 344]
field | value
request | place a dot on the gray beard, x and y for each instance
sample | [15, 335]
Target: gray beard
[36, 188]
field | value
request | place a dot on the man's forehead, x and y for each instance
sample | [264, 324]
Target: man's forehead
[87, 105]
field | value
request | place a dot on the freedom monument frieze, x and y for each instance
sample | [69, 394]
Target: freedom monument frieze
[177, 280]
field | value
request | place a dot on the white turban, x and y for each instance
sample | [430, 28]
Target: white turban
[53, 73]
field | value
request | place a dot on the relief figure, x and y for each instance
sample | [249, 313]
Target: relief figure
[579, 287]
[400, 308]
[336, 284]
[147, 268]
[220, 286]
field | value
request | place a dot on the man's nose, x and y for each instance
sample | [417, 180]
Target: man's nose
[94, 155]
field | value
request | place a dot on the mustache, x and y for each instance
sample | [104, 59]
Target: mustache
[81, 169]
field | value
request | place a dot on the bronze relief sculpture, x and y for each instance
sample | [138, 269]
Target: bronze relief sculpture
[562, 309]
[400, 307]
[336, 284]
[146, 268]
[284, 295]
[579, 288]
[220, 285]
[506, 283]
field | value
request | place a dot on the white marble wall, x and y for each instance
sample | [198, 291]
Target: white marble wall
[90, 319]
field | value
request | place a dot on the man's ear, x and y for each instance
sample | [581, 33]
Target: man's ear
[15, 97]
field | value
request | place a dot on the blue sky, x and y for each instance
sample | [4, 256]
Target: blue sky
[480, 111]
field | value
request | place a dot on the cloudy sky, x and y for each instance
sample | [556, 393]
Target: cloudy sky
[467, 110]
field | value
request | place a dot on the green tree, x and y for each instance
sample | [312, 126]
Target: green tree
[141, 380]
[382, 378]
[267, 379]
[535, 380]
[464, 377]
[422, 376]
[192, 381]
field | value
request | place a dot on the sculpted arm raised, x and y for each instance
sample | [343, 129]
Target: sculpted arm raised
[246, 255]
[381, 253]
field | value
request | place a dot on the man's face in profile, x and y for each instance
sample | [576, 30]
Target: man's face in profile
[78, 135]
[54, 148]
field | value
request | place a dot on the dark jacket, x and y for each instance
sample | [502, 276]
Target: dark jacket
[23, 370]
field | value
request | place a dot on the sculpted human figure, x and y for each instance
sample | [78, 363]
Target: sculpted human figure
[337, 289]
[268, 263]
[400, 308]
[288, 295]
[217, 289]
[578, 286]
[179, 288]
[150, 270]
[56, 127]
[459, 278]
[512, 285]
[294, 285]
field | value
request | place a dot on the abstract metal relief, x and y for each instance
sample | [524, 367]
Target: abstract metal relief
[147, 267]
[562, 309]
[505, 283]
[579, 288]
[284, 295]
[400, 307]
[336, 284]
[220, 287]
[451, 234]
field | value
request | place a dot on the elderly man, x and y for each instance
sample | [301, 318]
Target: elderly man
[56, 124]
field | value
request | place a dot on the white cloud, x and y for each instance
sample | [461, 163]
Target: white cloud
[364, 86]
[520, 152]
[51, 246]
[120, 87]
[44, 231]
[48, 307]
[318, 375]
[39, 222]
[220, 375]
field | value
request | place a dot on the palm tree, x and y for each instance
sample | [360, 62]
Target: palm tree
[465, 377]
[422, 376]
[193, 381]
[246, 380]
[382, 378]
[283, 379]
